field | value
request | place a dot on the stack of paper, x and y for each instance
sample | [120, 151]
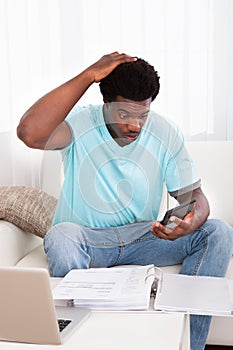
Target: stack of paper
[108, 288]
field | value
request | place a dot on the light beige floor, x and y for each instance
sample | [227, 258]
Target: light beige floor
[218, 347]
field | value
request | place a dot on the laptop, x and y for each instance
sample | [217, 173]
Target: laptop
[27, 310]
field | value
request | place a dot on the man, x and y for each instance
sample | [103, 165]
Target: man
[117, 158]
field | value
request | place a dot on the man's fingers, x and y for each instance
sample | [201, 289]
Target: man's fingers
[124, 57]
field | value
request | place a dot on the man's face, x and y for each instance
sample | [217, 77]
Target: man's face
[125, 118]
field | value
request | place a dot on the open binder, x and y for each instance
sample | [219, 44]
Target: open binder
[200, 295]
[131, 288]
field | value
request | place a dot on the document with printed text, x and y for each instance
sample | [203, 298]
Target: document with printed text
[107, 288]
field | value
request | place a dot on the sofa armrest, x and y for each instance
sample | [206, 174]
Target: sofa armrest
[35, 258]
[15, 243]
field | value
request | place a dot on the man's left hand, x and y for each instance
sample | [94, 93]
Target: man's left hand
[179, 229]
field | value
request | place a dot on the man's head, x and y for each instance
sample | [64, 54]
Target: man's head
[136, 81]
[128, 92]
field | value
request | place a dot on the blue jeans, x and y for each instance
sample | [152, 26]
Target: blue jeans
[206, 251]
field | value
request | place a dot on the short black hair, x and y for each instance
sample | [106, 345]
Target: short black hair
[136, 81]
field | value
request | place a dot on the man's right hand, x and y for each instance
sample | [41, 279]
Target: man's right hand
[107, 64]
[43, 126]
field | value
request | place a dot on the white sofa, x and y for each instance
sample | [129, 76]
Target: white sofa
[213, 160]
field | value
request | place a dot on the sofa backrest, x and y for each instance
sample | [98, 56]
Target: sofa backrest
[51, 173]
[215, 167]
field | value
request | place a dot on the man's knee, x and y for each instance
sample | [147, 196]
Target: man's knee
[63, 249]
[221, 229]
[64, 231]
[221, 235]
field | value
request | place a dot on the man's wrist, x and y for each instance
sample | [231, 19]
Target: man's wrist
[90, 75]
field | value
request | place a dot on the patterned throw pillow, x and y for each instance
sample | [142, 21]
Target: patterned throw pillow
[28, 208]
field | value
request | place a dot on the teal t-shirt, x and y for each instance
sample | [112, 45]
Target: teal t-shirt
[107, 185]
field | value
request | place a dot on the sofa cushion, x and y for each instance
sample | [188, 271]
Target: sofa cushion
[28, 208]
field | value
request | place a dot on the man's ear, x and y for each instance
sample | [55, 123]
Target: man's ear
[107, 104]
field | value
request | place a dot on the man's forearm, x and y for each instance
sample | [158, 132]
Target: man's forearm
[202, 209]
[42, 119]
